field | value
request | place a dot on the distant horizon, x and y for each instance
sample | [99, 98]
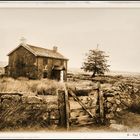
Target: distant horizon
[4, 63]
[111, 70]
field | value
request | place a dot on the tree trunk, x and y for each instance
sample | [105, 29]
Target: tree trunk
[93, 75]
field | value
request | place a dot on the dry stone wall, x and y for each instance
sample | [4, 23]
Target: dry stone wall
[17, 110]
[119, 98]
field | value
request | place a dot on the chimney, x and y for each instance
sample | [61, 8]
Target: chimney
[23, 40]
[54, 48]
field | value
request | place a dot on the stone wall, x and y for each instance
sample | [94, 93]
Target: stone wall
[119, 98]
[17, 110]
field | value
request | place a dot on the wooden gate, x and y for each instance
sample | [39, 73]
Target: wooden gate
[78, 110]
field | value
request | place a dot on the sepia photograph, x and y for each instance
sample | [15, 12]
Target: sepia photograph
[70, 69]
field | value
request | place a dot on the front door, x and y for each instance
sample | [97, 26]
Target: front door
[56, 74]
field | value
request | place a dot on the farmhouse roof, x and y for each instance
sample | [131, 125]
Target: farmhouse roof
[42, 52]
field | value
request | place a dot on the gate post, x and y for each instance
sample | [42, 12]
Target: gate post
[67, 107]
[100, 102]
[63, 106]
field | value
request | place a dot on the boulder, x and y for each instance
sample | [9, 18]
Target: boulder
[113, 108]
[108, 105]
[117, 96]
[31, 99]
[110, 115]
[118, 109]
[118, 101]
[111, 99]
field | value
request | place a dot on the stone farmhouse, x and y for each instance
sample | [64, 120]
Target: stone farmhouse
[36, 63]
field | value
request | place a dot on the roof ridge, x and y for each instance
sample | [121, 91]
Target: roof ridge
[38, 47]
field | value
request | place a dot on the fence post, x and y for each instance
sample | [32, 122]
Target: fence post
[62, 108]
[101, 105]
[67, 106]
[100, 102]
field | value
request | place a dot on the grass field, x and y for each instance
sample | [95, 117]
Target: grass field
[32, 87]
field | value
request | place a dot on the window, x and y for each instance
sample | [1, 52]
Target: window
[45, 61]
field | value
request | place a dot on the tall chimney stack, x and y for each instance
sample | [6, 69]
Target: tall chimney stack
[54, 48]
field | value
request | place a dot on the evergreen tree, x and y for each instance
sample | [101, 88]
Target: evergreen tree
[96, 62]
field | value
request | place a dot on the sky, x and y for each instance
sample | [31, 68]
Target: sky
[75, 31]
